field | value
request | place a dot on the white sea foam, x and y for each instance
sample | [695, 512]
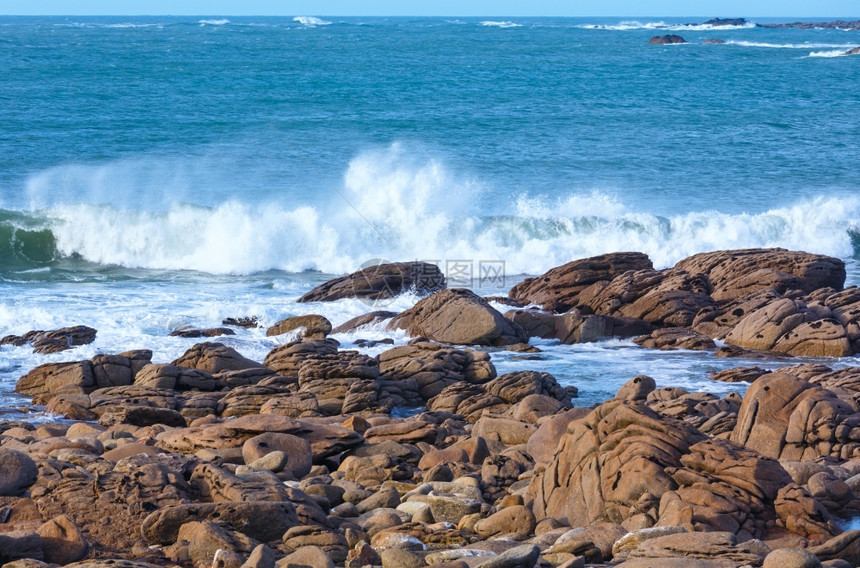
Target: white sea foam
[396, 205]
[631, 25]
[791, 45]
[221, 22]
[500, 24]
[311, 21]
[833, 53]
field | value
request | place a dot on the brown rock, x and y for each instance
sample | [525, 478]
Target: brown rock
[516, 520]
[720, 546]
[366, 320]
[17, 472]
[736, 273]
[334, 544]
[298, 451]
[315, 326]
[542, 444]
[459, 317]
[62, 541]
[845, 546]
[669, 338]
[49, 378]
[309, 556]
[60, 339]
[786, 417]
[380, 282]
[558, 289]
[788, 326]
[421, 370]
[261, 520]
[214, 358]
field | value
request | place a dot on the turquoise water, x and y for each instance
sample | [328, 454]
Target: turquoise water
[157, 172]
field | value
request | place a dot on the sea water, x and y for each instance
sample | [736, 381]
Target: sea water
[160, 172]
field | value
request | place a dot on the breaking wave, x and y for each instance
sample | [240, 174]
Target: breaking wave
[311, 21]
[397, 206]
[496, 24]
[660, 25]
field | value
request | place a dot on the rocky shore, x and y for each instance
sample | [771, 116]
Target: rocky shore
[424, 455]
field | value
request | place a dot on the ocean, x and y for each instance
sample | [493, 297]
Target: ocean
[160, 172]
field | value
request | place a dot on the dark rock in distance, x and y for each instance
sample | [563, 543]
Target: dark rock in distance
[714, 41]
[669, 39]
[835, 25]
[726, 22]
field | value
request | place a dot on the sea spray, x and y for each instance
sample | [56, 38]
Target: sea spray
[393, 204]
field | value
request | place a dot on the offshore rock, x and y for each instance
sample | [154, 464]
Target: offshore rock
[666, 40]
[380, 282]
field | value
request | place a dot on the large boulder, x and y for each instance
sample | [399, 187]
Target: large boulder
[786, 417]
[214, 358]
[380, 282]
[53, 341]
[558, 289]
[17, 472]
[417, 372]
[460, 317]
[625, 463]
[310, 326]
[736, 273]
[789, 326]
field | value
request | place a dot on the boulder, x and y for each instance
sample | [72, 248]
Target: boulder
[624, 461]
[709, 546]
[459, 317]
[670, 338]
[214, 358]
[194, 333]
[791, 558]
[789, 326]
[558, 289]
[54, 341]
[62, 541]
[261, 520]
[18, 472]
[668, 39]
[364, 321]
[737, 273]
[786, 417]
[19, 544]
[47, 379]
[515, 520]
[380, 282]
[314, 326]
[297, 450]
[421, 370]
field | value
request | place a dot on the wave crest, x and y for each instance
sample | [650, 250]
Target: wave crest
[396, 205]
[311, 21]
[500, 24]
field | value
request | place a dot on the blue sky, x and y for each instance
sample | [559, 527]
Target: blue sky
[709, 8]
